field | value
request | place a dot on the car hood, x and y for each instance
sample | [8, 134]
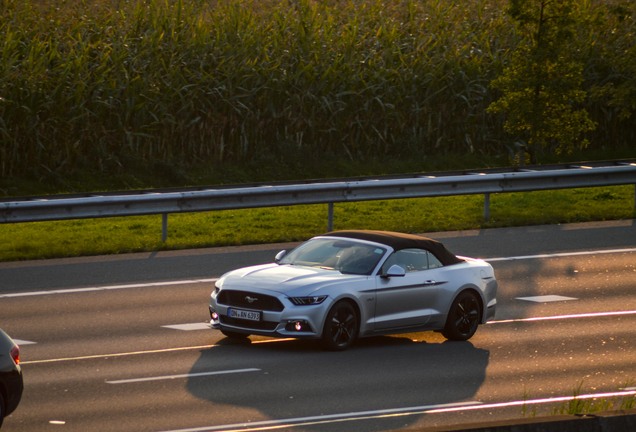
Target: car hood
[287, 279]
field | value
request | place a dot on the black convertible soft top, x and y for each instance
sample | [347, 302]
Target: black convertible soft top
[400, 241]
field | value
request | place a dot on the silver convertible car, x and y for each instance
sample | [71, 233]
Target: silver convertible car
[343, 285]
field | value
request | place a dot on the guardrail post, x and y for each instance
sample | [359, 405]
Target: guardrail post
[486, 207]
[330, 218]
[164, 227]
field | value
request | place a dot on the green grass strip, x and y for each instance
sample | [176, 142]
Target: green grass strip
[295, 223]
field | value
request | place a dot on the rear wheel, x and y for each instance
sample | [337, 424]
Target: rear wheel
[463, 318]
[341, 327]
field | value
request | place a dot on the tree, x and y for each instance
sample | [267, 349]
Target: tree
[541, 87]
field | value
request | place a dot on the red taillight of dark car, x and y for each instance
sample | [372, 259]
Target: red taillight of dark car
[15, 354]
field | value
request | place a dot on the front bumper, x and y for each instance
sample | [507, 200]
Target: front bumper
[304, 322]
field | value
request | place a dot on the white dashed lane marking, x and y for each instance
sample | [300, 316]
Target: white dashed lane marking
[23, 342]
[189, 375]
[546, 298]
[189, 326]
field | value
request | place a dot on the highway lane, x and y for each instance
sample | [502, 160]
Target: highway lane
[104, 360]
[204, 263]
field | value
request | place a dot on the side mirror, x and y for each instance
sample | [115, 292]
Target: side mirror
[395, 271]
[279, 256]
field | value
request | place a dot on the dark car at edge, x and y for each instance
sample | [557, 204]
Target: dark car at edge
[11, 383]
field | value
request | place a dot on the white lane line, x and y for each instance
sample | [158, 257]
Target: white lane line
[23, 342]
[107, 288]
[559, 255]
[124, 354]
[563, 317]
[188, 375]
[189, 326]
[398, 412]
[212, 280]
[133, 353]
[546, 298]
[325, 419]
[622, 393]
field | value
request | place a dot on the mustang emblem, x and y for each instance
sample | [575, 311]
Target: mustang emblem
[250, 300]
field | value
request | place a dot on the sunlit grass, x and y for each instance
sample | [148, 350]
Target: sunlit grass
[296, 223]
[585, 406]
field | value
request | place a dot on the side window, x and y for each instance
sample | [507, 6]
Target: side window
[411, 260]
[433, 262]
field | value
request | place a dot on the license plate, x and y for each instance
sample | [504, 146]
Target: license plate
[244, 314]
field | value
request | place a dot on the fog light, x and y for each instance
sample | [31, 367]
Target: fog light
[214, 315]
[298, 326]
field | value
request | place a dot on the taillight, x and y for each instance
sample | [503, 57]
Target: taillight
[15, 354]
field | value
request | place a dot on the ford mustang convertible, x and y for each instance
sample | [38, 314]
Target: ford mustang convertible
[345, 285]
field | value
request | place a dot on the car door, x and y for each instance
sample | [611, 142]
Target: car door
[409, 300]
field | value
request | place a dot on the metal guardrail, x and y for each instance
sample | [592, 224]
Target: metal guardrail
[330, 192]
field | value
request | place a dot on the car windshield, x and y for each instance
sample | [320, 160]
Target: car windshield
[346, 256]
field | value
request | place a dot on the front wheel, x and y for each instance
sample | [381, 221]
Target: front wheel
[341, 327]
[463, 317]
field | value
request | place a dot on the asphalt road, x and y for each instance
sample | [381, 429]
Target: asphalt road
[120, 343]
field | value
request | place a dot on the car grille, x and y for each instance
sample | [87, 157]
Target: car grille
[245, 299]
[256, 325]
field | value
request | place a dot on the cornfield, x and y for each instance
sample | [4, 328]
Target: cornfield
[107, 84]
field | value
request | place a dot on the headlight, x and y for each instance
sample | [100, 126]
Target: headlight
[307, 301]
[217, 286]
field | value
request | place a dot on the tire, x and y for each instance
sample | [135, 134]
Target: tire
[235, 335]
[1, 409]
[463, 317]
[341, 327]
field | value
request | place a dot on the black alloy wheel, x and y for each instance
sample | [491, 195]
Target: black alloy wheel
[341, 327]
[463, 318]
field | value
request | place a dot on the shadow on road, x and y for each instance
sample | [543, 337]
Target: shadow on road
[296, 379]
